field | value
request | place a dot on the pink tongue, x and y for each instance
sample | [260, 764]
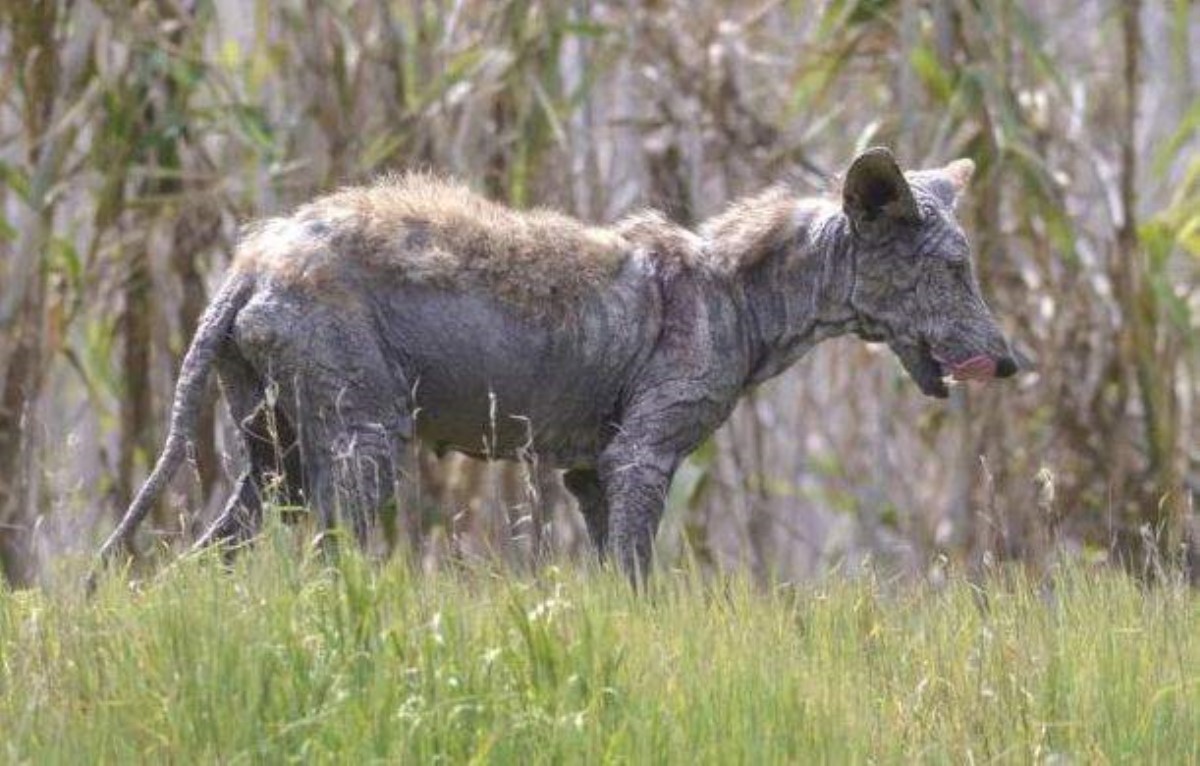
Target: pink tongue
[980, 367]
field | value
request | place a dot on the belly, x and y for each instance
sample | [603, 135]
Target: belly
[511, 414]
[492, 382]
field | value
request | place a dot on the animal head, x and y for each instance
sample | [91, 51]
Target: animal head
[914, 280]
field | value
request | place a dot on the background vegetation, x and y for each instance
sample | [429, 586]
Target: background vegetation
[136, 136]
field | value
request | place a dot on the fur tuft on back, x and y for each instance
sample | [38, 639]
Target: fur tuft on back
[424, 229]
[750, 229]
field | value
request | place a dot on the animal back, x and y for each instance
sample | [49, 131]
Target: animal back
[421, 229]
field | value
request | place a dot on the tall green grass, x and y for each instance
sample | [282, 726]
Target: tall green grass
[289, 658]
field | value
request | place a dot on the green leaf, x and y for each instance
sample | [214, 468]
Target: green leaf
[938, 81]
[1172, 305]
[64, 259]
[254, 126]
[1168, 151]
[16, 179]
[8, 232]
[585, 28]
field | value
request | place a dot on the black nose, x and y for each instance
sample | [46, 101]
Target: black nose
[1006, 367]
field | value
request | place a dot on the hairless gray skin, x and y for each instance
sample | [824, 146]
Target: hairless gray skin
[414, 308]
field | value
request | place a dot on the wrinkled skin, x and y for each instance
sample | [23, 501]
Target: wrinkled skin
[915, 286]
[330, 385]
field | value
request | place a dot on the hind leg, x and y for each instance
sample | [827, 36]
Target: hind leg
[350, 411]
[274, 471]
[352, 445]
[348, 406]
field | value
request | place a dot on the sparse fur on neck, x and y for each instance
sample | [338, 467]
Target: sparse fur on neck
[751, 229]
[792, 259]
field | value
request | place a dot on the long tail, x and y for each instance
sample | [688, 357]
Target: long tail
[214, 328]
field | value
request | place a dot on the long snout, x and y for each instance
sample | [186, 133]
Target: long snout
[1006, 367]
[964, 358]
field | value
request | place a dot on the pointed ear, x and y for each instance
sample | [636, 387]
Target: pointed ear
[959, 172]
[875, 190]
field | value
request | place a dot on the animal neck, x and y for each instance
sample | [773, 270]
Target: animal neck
[799, 292]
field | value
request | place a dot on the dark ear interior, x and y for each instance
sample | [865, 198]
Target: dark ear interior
[875, 189]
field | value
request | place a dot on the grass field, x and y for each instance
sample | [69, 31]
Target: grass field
[286, 659]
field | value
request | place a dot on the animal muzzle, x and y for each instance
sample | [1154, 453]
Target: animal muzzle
[980, 367]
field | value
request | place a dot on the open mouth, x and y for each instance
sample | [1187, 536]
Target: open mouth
[933, 373]
[978, 367]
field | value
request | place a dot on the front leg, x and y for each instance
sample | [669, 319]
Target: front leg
[661, 426]
[687, 387]
[584, 485]
[636, 476]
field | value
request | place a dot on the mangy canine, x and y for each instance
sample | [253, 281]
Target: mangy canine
[416, 308]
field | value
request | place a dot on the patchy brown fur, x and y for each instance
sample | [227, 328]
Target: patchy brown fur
[661, 239]
[420, 228]
[751, 228]
[423, 229]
